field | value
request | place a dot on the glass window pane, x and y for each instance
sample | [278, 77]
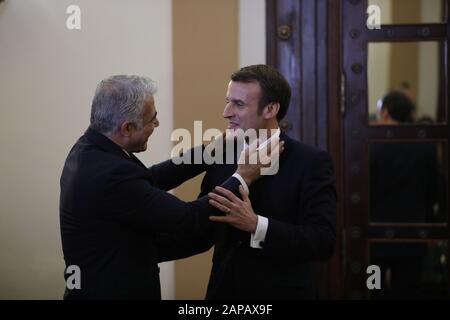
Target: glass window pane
[410, 11]
[410, 75]
[412, 270]
[408, 182]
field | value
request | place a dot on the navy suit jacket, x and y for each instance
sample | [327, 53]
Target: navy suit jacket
[111, 208]
[300, 204]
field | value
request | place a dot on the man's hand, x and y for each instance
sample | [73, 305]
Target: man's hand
[252, 160]
[239, 213]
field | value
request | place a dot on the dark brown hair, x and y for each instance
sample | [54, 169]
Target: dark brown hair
[274, 87]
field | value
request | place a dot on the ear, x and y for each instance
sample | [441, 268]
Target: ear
[126, 128]
[271, 110]
[384, 115]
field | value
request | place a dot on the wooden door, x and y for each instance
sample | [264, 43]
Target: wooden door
[340, 63]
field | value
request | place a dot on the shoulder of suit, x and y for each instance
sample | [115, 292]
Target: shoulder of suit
[103, 161]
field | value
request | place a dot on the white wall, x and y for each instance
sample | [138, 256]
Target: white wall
[429, 65]
[47, 78]
[379, 62]
[252, 32]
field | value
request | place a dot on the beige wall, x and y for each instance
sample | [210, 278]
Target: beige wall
[205, 43]
[405, 56]
[427, 99]
[378, 62]
[47, 78]
[211, 40]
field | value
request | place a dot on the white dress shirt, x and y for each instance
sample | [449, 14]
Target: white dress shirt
[257, 238]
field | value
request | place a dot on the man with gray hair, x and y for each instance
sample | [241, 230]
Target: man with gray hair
[112, 206]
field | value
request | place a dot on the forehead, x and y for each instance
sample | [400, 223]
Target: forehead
[243, 90]
[149, 103]
[149, 107]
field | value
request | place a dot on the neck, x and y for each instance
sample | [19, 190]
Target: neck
[271, 125]
[390, 121]
[117, 140]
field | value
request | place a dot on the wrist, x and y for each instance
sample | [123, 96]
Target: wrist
[247, 179]
[255, 224]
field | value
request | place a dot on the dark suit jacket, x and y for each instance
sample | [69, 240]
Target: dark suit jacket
[111, 207]
[300, 203]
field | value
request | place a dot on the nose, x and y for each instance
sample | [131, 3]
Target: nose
[156, 121]
[228, 111]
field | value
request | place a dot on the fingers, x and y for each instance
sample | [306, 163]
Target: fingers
[274, 145]
[273, 142]
[219, 206]
[254, 155]
[244, 194]
[223, 219]
[221, 200]
[227, 193]
[270, 155]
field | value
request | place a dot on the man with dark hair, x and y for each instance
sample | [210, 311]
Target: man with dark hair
[267, 243]
[396, 108]
[274, 87]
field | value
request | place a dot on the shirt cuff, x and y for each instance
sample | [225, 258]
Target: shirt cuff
[242, 181]
[257, 238]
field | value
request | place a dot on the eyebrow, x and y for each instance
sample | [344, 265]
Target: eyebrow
[235, 100]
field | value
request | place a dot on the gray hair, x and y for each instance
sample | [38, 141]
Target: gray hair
[120, 98]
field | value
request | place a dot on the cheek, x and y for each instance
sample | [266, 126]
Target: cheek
[249, 117]
[242, 116]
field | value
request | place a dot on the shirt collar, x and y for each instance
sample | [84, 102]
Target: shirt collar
[127, 153]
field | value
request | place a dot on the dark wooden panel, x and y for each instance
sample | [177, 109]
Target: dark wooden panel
[408, 32]
[302, 58]
[322, 74]
[310, 60]
[413, 232]
[334, 130]
[271, 33]
[421, 132]
[309, 72]
[357, 136]
[289, 57]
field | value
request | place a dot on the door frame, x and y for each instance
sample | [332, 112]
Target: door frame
[303, 42]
